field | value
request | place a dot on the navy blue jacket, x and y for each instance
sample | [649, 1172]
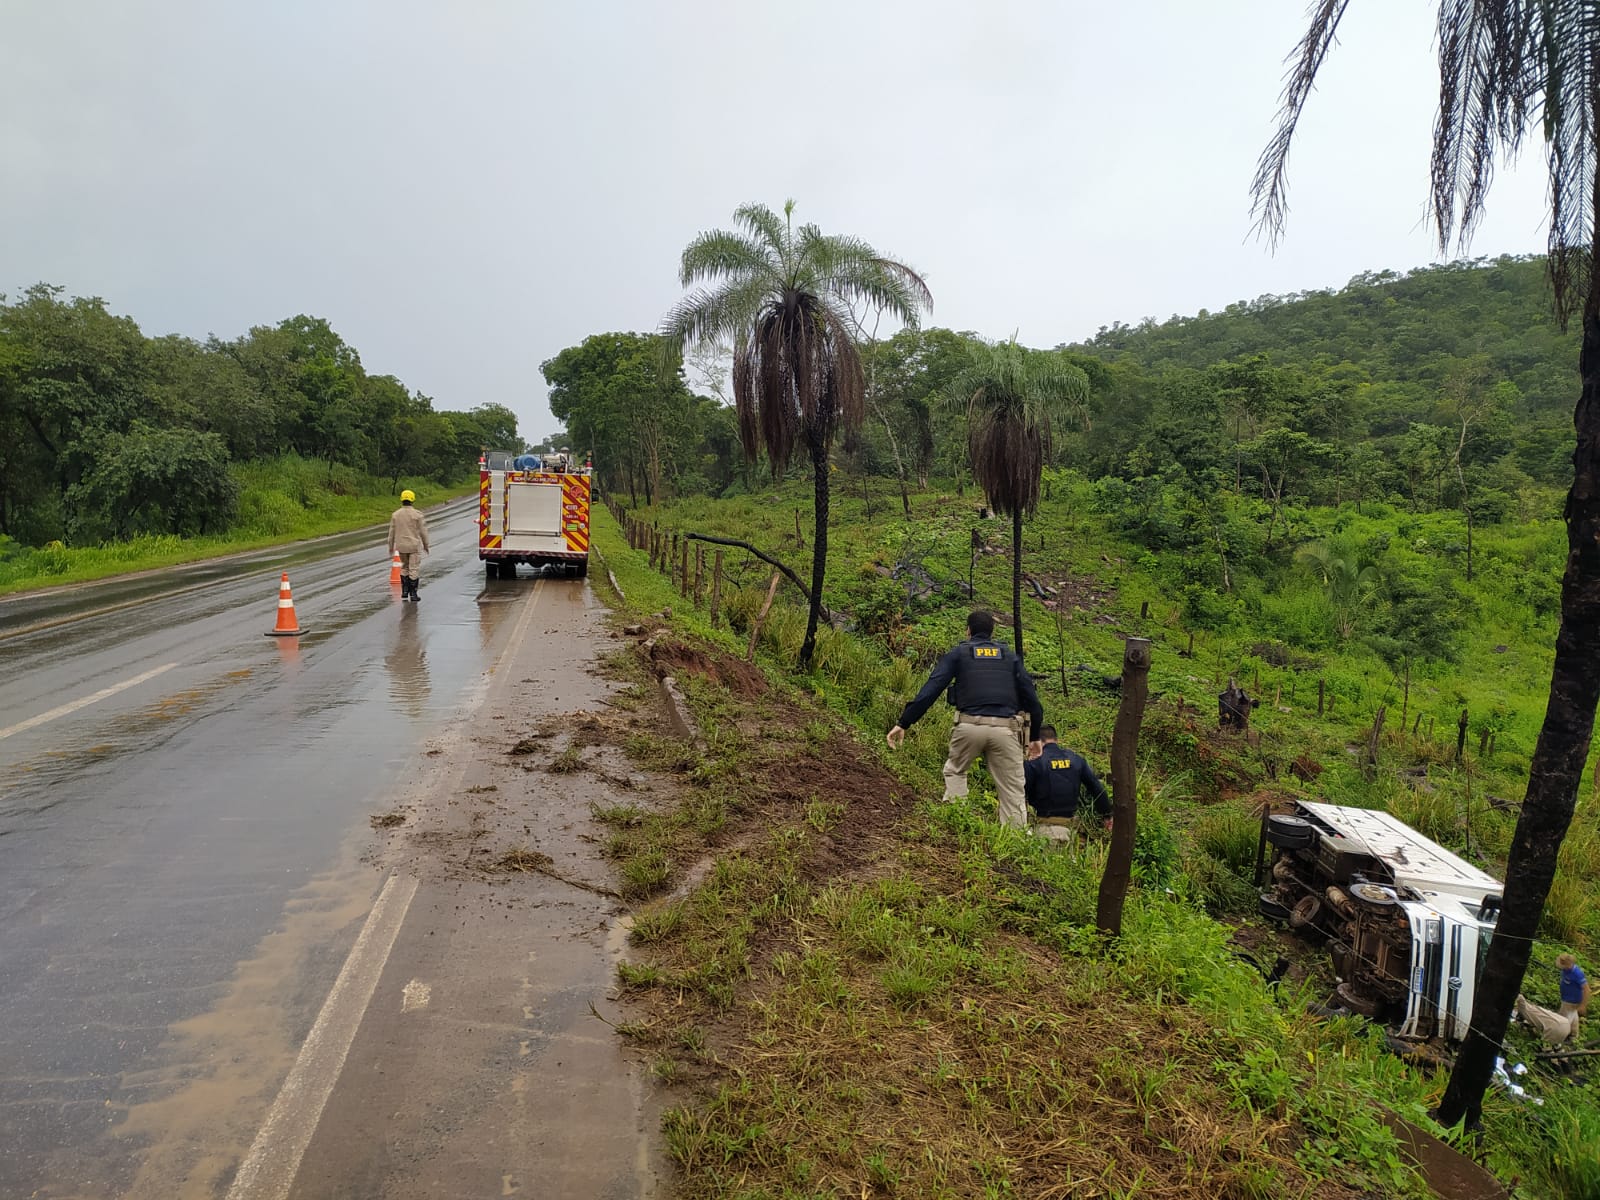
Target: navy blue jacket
[1025, 699]
[1052, 782]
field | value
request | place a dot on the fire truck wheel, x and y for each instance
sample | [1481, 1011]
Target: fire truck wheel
[1305, 913]
[1270, 907]
[1289, 833]
[491, 569]
[1356, 1002]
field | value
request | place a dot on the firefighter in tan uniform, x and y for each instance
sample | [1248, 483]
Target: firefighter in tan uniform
[408, 537]
[997, 713]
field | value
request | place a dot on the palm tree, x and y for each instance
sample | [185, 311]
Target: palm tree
[784, 298]
[1012, 397]
[1508, 67]
[1349, 580]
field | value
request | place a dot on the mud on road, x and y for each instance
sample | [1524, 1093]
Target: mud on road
[483, 1063]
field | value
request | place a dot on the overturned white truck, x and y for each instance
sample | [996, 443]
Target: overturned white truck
[1408, 922]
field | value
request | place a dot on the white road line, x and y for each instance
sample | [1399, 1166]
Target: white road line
[269, 1169]
[75, 705]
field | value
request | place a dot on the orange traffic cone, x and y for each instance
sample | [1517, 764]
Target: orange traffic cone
[394, 569]
[288, 624]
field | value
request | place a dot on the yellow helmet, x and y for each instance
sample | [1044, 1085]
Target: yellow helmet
[407, 496]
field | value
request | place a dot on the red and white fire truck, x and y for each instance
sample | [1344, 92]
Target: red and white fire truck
[537, 513]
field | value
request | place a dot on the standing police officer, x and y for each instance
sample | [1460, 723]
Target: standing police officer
[997, 711]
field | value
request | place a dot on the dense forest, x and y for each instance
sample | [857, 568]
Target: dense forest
[107, 434]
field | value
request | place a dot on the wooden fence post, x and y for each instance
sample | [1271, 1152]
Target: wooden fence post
[799, 537]
[683, 567]
[1144, 610]
[1322, 694]
[716, 586]
[761, 617]
[699, 572]
[1461, 736]
[1124, 800]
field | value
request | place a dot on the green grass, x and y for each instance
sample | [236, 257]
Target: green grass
[1280, 646]
[953, 987]
[282, 500]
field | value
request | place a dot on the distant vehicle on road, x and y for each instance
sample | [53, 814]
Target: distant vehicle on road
[1408, 923]
[536, 515]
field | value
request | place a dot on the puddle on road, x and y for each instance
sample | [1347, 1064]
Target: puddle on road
[222, 1069]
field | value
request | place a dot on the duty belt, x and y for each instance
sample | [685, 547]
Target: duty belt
[1004, 722]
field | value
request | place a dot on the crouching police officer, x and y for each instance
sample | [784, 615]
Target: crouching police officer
[1055, 777]
[997, 711]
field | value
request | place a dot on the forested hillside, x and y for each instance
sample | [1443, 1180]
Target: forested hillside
[1386, 366]
[108, 434]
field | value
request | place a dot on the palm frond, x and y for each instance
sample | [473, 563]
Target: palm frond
[852, 270]
[1483, 93]
[1570, 41]
[710, 315]
[718, 253]
[768, 226]
[1270, 188]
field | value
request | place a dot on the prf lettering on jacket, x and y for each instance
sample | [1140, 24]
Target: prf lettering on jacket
[986, 652]
[1060, 764]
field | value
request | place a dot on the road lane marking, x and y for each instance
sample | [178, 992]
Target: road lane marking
[84, 702]
[269, 1169]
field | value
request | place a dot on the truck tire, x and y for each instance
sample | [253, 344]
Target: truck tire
[1289, 833]
[1356, 1002]
[1305, 913]
[1374, 897]
[1270, 907]
[491, 569]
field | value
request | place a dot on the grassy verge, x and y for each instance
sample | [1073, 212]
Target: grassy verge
[1201, 791]
[285, 500]
[860, 992]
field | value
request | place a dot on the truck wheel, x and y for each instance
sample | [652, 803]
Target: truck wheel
[1356, 1002]
[1304, 914]
[1270, 907]
[1289, 833]
[582, 569]
[1374, 897]
[491, 569]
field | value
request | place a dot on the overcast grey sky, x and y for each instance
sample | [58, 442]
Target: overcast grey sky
[464, 189]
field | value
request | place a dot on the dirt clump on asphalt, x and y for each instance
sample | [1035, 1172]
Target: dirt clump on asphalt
[523, 859]
[388, 820]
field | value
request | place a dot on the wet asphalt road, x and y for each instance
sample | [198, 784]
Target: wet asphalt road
[150, 837]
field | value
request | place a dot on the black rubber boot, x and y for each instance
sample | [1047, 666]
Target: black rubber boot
[416, 598]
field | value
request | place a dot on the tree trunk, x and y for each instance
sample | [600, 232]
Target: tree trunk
[1124, 797]
[1016, 578]
[1558, 757]
[819, 546]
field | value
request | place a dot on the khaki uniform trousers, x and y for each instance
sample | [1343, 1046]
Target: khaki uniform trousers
[999, 741]
[410, 561]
